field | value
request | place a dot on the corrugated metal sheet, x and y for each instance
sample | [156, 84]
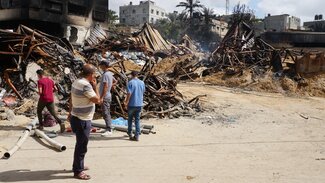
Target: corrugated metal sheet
[97, 35]
[152, 39]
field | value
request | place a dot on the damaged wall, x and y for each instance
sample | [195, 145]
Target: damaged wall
[57, 17]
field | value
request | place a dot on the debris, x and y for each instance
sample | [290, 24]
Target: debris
[21, 140]
[53, 143]
[303, 116]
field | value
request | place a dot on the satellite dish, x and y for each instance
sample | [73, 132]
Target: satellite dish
[5, 4]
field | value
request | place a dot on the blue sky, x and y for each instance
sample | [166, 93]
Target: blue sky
[305, 9]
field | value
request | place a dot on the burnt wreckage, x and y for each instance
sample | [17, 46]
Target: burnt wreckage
[62, 18]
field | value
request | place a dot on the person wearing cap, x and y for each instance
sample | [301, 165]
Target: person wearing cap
[134, 103]
[106, 83]
[84, 96]
[46, 87]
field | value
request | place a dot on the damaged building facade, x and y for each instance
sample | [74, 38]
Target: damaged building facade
[63, 18]
[145, 12]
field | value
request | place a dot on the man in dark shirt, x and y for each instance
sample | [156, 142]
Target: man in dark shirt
[46, 87]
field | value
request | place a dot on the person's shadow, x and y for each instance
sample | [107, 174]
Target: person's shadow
[28, 175]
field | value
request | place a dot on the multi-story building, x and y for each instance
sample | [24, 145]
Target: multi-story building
[65, 18]
[145, 12]
[317, 25]
[220, 27]
[281, 23]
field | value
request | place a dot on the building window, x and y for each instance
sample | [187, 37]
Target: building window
[152, 11]
[77, 10]
[123, 11]
[157, 12]
[144, 10]
[152, 20]
[133, 11]
[123, 20]
[144, 19]
[162, 14]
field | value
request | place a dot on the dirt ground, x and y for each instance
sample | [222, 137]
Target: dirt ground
[241, 137]
[315, 84]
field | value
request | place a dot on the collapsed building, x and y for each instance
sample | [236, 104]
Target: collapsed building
[71, 19]
[26, 50]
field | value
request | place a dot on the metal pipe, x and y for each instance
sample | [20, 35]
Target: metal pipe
[53, 143]
[21, 139]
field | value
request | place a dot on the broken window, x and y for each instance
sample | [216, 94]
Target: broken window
[54, 7]
[6, 4]
[73, 34]
[35, 4]
[99, 15]
[134, 11]
[77, 10]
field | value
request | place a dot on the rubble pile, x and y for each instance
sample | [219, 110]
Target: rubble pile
[27, 50]
[161, 98]
[240, 49]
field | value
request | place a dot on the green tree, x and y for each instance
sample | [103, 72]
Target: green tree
[208, 16]
[190, 6]
[242, 12]
[112, 17]
[206, 35]
[171, 27]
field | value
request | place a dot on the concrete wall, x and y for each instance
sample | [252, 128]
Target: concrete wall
[280, 23]
[295, 38]
[55, 16]
[312, 25]
[145, 12]
[220, 27]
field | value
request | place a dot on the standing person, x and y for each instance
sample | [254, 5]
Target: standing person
[84, 96]
[105, 87]
[46, 87]
[134, 103]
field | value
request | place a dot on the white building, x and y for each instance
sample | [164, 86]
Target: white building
[220, 27]
[317, 25]
[282, 23]
[145, 12]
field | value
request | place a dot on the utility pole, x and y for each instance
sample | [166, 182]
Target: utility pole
[227, 7]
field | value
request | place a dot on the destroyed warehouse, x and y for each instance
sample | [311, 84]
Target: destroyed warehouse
[63, 18]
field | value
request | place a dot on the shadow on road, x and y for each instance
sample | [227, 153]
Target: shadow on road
[28, 175]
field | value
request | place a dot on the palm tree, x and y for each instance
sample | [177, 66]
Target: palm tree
[112, 17]
[208, 15]
[190, 6]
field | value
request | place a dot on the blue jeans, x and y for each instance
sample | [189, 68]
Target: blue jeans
[134, 112]
[82, 130]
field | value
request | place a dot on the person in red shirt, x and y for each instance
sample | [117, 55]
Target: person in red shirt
[46, 87]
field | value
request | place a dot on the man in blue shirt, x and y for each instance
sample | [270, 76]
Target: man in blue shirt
[134, 102]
